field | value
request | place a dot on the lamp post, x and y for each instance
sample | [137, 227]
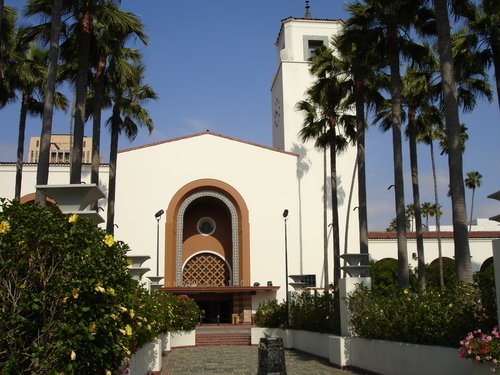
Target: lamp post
[285, 217]
[158, 217]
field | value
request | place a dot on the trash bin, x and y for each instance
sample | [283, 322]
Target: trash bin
[271, 356]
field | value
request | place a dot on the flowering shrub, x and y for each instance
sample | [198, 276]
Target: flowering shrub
[436, 317]
[68, 303]
[271, 314]
[482, 347]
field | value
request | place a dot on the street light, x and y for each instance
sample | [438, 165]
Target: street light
[285, 216]
[158, 217]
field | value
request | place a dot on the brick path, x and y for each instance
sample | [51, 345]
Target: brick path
[240, 360]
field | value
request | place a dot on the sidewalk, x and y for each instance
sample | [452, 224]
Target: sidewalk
[241, 360]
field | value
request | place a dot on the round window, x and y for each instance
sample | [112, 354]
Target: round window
[206, 226]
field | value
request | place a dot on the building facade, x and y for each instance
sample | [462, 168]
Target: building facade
[60, 149]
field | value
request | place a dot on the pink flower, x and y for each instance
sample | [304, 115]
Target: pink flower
[478, 358]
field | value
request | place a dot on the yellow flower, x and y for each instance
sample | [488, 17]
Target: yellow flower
[92, 326]
[450, 305]
[72, 355]
[109, 240]
[113, 316]
[406, 291]
[108, 372]
[131, 313]
[75, 293]
[4, 227]
[128, 330]
[73, 218]
[111, 291]
[65, 299]
[122, 309]
[99, 288]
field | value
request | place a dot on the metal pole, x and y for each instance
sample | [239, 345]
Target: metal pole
[285, 216]
[157, 246]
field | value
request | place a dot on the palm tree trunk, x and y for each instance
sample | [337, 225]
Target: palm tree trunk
[455, 165]
[471, 208]
[412, 140]
[96, 124]
[403, 271]
[325, 223]
[42, 174]
[335, 205]
[360, 160]
[81, 92]
[438, 215]
[113, 153]
[20, 146]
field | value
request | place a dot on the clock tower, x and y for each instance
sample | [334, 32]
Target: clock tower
[297, 40]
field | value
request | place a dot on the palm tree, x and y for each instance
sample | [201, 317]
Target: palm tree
[360, 61]
[28, 76]
[107, 34]
[323, 115]
[128, 94]
[455, 163]
[427, 211]
[472, 181]
[49, 93]
[387, 21]
[430, 128]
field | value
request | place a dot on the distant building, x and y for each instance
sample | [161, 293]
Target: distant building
[60, 148]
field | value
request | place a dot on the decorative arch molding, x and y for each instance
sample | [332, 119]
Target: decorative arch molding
[241, 236]
[30, 198]
[180, 231]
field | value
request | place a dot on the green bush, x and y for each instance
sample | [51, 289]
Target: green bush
[436, 317]
[485, 281]
[432, 273]
[315, 311]
[271, 314]
[384, 276]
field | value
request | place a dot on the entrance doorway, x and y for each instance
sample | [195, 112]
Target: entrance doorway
[215, 308]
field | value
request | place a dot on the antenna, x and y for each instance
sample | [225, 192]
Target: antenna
[308, 10]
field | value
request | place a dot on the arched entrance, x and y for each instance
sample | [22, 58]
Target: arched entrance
[207, 249]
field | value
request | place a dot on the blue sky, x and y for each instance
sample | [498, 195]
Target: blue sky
[211, 63]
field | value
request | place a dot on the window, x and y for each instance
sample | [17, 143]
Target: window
[37, 143]
[309, 281]
[32, 156]
[311, 43]
[206, 226]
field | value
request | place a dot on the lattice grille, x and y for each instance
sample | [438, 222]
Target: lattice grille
[206, 270]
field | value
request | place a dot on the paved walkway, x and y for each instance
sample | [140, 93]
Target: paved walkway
[240, 360]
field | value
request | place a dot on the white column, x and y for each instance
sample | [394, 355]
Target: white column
[346, 286]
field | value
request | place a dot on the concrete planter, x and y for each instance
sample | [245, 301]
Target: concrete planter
[378, 356]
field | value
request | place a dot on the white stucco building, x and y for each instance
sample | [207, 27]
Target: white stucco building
[222, 235]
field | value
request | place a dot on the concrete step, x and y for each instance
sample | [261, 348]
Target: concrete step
[223, 339]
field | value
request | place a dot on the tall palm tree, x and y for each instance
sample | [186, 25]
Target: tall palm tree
[28, 76]
[361, 62]
[472, 181]
[388, 21]
[128, 94]
[108, 33]
[455, 163]
[49, 93]
[430, 127]
[325, 100]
